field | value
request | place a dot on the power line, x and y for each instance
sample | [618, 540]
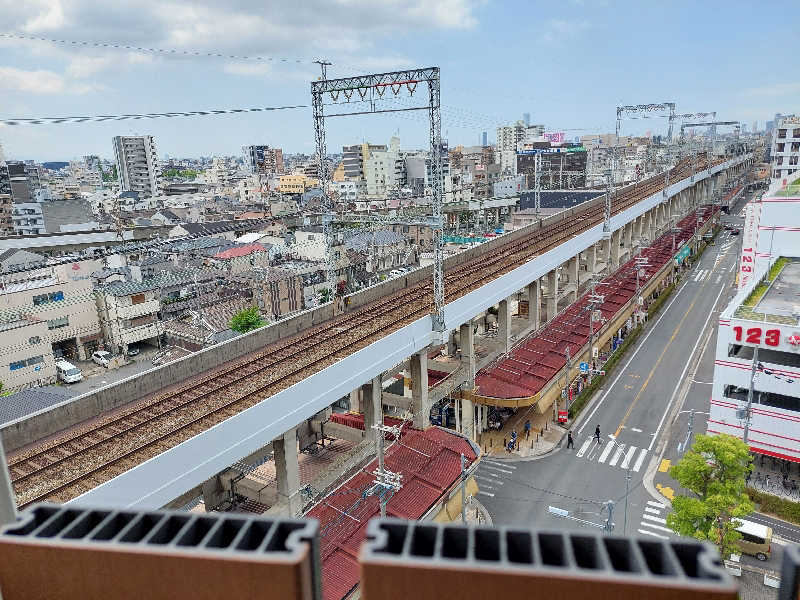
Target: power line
[131, 117]
[159, 51]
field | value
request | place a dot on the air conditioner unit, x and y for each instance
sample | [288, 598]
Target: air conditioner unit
[595, 352]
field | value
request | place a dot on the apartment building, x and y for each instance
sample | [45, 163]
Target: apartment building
[128, 312]
[47, 313]
[277, 292]
[263, 160]
[296, 184]
[27, 218]
[785, 149]
[137, 164]
[510, 139]
[353, 158]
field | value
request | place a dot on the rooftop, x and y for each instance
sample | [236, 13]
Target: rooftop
[793, 189]
[776, 299]
[29, 401]
[241, 250]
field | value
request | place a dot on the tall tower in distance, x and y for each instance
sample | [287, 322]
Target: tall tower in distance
[484, 139]
[526, 118]
[137, 164]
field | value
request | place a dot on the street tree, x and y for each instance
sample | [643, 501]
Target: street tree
[324, 295]
[247, 319]
[714, 471]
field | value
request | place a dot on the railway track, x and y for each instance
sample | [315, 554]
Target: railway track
[83, 458]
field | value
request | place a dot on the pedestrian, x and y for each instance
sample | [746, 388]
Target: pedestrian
[527, 429]
[570, 441]
[597, 434]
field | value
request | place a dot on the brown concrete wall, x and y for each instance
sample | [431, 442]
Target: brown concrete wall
[86, 406]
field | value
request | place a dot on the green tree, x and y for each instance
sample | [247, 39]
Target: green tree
[714, 470]
[324, 295]
[247, 320]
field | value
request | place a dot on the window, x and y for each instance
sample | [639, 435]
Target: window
[776, 357]
[58, 323]
[792, 160]
[47, 298]
[795, 146]
[779, 160]
[34, 340]
[763, 398]
[137, 298]
[781, 133]
[796, 133]
[780, 148]
[21, 364]
[35, 360]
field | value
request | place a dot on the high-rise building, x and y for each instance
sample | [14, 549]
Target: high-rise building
[263, 160]
[526, 118]
[785, 151]
[138, 169]
[512, 138]
[484, 139]
[6, 226]
[353, 158]
[755, 126]
[21, 190]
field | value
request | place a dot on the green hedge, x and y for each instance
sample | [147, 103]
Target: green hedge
[776, 506]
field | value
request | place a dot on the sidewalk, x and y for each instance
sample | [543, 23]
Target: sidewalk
[543, 438]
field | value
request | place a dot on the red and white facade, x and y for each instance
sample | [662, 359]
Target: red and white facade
[772, 230]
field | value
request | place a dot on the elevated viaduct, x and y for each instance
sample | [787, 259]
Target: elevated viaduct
[170, 432]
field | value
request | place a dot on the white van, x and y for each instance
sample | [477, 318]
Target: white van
[67, 372]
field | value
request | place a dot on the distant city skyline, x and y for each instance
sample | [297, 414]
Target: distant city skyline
[697, 66]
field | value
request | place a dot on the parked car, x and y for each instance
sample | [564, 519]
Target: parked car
[67, 372]
[102, 358]
[133, 350]
[735, 232]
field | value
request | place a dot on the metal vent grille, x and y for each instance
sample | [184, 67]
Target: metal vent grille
[680, 565]
[233, 537]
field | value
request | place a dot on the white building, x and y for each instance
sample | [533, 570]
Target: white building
[786, 148]
[510, 139]
[350, 190]
[27, 218]
[137, 164]
[765, 314]
[128, 312]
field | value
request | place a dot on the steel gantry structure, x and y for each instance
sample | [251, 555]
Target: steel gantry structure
[371, 89]
[672, 119]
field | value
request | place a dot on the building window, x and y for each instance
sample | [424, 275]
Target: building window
[47, 298]
[780, 148]
[137, 298]
[781, 133]
[779, 160]
[21, 364]
[58, 323]
[34, 340]
[796, 133]
[795, 146]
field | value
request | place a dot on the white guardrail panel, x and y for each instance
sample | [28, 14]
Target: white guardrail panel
[163, 478]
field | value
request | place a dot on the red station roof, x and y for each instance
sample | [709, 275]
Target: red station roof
[533, 362]
[429, 461]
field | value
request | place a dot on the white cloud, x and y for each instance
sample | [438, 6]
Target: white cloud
[256, 69]
[774, 90]
[48, 17]
[37, 82]
[559, 30]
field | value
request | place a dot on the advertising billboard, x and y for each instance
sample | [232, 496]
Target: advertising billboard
[555, 137]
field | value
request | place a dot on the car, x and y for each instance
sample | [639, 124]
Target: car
[133, 350]
[102, 358]
[735, 232]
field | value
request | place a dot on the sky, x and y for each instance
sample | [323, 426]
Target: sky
[567, 63]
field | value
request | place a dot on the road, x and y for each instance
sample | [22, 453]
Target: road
[643, 414]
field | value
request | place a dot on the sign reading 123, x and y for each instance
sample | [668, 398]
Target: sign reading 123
[772, 337]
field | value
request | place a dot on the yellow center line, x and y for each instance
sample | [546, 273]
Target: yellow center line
[663, 352]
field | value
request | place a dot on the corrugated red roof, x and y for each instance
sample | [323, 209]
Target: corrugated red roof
[238, 251]
[429, 461]
[536, 359]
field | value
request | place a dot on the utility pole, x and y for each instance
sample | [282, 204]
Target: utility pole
[748, 412]
[566, 379]
[8, 504]
[463, 490]
[627, 488]
[385, 481]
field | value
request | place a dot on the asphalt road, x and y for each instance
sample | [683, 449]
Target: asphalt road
[645, 407]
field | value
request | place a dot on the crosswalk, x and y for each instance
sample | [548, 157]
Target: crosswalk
[654, 522]
[491, 476]
[701, 275]
[613, 454]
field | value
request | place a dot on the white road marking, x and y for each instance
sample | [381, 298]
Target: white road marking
[616, 457]
[655, 519]
[482, 493]
[606, 452]
[654, 534]
[628, 457]
[638, 464]
[641, 345]
[584, 448]
[479, 478]
[651, 510]
[659, 528]
[497, 469]
[636, 429]
[719, 278]
[685, 368]
[496, 464]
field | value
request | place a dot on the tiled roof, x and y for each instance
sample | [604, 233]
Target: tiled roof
[241, 250]
[29, 401]
[533, 362]
[429, 461]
